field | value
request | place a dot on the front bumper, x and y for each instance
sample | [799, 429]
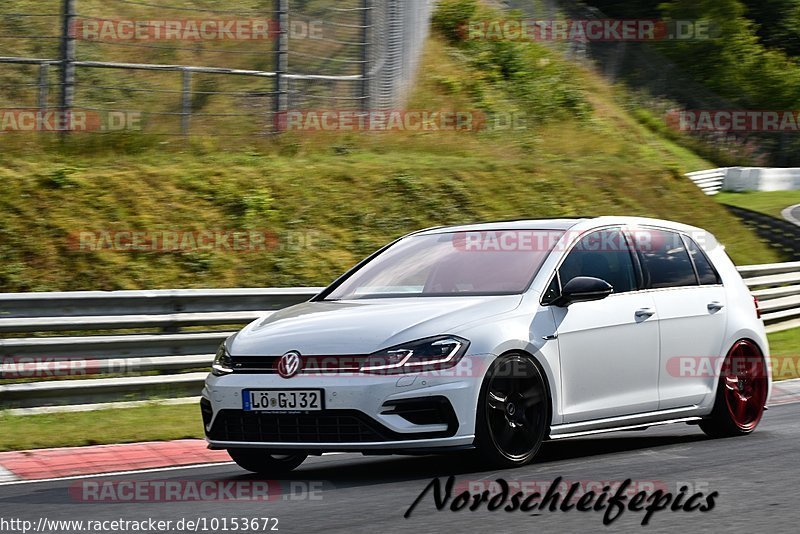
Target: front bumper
[359, 412]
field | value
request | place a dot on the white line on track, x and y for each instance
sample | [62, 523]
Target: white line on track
[117, 473]
[6, 475]
[788, 214]
[13, 479]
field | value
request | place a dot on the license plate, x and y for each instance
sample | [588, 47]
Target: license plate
[282, 400]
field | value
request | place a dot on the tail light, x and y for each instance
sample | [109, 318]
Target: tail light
[758, 308]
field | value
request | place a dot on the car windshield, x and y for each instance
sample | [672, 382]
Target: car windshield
[452, 264]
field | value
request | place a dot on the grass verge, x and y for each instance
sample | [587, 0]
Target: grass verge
[785, 349]
[128, 425]
[770, 203]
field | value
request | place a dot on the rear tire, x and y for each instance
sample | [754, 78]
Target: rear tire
[266, 462]
[513, 412]
[741, 393]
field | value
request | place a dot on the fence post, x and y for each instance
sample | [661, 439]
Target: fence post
[67, 64]
[394, 51]
[281, 64]
[366, 38]
[44, 85]
[186, 101]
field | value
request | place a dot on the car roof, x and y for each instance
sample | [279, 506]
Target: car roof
[562, 224]
[523, 224]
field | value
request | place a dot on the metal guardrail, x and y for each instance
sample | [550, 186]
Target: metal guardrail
[741, 179]
[711, 181]
[777, 288]
[87, 335]
[100, 341]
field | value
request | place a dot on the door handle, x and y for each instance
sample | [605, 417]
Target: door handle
[645, 313]
[715, 306]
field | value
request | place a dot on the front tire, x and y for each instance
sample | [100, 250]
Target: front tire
[741, 393]
[266, 462]
[513, 412]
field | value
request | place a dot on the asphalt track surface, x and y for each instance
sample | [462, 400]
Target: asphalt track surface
[757, 478]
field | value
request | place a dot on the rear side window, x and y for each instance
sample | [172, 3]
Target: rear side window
[705, 271]
[666, 261]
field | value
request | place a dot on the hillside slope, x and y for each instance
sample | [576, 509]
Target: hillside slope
[332, 198]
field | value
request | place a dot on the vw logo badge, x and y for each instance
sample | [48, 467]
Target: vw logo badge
[289, 364]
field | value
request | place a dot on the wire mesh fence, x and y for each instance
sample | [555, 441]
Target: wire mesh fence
[202, 67]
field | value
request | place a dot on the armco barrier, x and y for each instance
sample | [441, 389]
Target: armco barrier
[710, 182]
[777, 288]
[42, 328]
[741, 179]
[165, 338]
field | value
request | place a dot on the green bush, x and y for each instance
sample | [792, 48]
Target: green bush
[451, 17]
[541, 85]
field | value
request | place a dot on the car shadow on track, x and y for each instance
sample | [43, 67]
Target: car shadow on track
[351, 471]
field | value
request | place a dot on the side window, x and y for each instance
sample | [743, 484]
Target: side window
[604, 254]
[665, 260]
[705, 271]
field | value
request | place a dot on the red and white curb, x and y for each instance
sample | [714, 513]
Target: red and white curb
[69, 462]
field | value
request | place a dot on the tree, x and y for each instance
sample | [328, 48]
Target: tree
[778, 23]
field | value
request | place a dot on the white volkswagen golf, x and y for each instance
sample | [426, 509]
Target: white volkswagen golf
[496, 337]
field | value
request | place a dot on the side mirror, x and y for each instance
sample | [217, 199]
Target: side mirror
[583, 289]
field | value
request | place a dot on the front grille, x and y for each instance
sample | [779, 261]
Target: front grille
[310, 364]
[252, 364]
[333, 426]
[330, 426]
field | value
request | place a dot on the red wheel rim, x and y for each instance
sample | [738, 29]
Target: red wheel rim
[744, 379]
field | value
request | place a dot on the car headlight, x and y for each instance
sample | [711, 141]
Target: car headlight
[223, 364]
[435, 353]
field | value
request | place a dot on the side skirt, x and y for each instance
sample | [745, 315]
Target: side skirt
[618, 424]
